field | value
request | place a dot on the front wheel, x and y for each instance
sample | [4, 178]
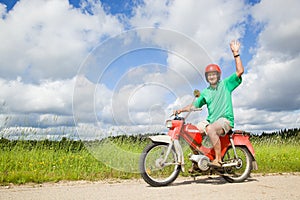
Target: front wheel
[242, 170]
[156, 167]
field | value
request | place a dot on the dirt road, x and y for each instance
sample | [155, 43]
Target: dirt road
[258, 187]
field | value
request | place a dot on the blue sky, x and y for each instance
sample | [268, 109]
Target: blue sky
[121, 67]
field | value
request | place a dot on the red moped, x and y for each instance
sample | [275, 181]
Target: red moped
[163, 159]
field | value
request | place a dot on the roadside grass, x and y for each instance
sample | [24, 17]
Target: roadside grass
[277, 155]
[49, 161]
[116, 158]
[278, 158]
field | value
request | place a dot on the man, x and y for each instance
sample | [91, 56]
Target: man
[218, 99]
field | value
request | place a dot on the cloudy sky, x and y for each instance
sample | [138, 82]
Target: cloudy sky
[121, 67]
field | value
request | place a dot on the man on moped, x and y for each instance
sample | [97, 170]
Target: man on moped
[218, 99]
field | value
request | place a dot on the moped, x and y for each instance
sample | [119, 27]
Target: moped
[163, 159]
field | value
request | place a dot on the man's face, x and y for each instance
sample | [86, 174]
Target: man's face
[212, 78]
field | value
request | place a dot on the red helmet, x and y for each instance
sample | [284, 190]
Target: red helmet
[213, 68]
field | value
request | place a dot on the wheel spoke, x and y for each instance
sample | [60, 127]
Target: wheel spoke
[157, 167]
[242, 169]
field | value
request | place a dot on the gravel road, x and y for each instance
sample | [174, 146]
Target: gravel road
[286, 186]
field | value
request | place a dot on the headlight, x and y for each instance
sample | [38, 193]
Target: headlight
[169, 124]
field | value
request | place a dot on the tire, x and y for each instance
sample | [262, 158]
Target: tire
[239, 173]
[152, 172]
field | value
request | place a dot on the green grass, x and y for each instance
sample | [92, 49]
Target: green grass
[278, 158]
[51, 161]
[275, 154]
[45, 161]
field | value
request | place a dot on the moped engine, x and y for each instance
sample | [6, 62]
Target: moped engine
[201, 160]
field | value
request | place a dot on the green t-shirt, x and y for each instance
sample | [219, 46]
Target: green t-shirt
[218, 100]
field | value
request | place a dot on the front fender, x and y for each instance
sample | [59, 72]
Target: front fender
[178, 149]
[161, 138]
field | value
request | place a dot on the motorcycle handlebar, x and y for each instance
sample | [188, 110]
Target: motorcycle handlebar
[191, 110]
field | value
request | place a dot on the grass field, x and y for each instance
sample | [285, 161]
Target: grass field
[278, 153]
[117, 157]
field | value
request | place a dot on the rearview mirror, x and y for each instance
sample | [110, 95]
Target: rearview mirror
[196, 93]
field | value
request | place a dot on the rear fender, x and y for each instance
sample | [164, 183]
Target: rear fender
[243, 140]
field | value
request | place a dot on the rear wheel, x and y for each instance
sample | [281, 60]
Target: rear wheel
[153, 170]
[242, 170]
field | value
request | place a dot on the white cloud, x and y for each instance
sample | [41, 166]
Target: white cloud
[46, 97]
[210, 23]
[269, 96]
[36, 120]
[282, 26]
[270, 87]
[90, 100]
[272, 82]
[255, 121]
[44, 42]
[49, 39]
[150, 13]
